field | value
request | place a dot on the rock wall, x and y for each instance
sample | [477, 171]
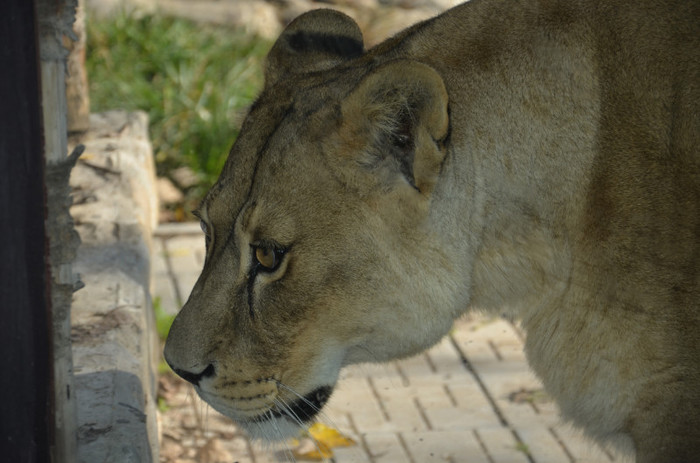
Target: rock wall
[115, 348]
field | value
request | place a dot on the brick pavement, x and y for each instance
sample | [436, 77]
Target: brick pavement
[471, 398]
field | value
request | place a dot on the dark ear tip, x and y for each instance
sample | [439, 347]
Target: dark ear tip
[314, 41]
[324, 31]
[339, 45]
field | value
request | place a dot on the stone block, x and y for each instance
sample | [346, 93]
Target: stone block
[113, 330]
[501, 445]
[451, 446]
[385, 448]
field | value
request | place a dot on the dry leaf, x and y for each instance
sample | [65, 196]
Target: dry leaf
[308, 449]
[329, 436]
[320, 443]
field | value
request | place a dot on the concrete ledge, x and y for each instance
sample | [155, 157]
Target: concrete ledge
[115, 348]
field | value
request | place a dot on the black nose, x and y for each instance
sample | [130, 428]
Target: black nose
[195, 378]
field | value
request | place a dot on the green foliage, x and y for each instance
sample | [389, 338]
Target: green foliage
[163, 320]
[193, 80]
[163, 368]
[163, 405]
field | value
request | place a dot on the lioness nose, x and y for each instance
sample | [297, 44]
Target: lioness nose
[195, 378]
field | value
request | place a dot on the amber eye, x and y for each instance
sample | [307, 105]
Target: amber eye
[268, 259]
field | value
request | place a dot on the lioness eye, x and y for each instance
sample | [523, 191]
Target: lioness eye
[268, 258]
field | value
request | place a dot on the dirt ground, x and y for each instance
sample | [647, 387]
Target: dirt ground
[191, 432]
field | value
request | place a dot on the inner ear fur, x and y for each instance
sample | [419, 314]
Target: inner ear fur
[315, 41]
[399, 115]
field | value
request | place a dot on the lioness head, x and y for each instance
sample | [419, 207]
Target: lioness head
[320, 251]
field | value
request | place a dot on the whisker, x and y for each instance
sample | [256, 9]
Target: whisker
[287, 451]
[288, 411]
[321, 416]
[283, 405]
[196, 403]
[301, 397]
[265, 440]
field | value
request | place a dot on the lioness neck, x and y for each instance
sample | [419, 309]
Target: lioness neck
[504, 202]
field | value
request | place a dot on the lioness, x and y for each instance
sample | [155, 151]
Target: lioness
[539, 158]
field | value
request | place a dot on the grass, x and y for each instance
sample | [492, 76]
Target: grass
[163, 320]
[193, 80]
[163, 323]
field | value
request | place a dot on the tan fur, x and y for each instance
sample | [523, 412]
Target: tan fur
[539, 158]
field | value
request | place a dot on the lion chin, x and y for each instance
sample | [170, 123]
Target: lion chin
[283, 420]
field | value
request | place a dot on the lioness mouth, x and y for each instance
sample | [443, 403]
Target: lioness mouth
[302, 409]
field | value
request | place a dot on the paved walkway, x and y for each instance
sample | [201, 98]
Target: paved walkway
[472, 398]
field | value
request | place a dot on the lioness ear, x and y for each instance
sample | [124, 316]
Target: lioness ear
[399, 116]
[314, 41]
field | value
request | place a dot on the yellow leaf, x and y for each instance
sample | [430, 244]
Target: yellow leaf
[312, 450]
[320, 443]
[329, 436]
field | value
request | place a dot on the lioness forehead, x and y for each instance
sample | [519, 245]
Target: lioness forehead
[275, 141]
[232, 190]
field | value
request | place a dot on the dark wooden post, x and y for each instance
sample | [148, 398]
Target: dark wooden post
[26, 377]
